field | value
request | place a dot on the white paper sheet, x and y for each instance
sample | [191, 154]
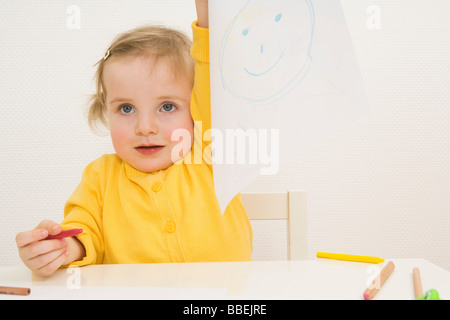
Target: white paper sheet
[283, 77]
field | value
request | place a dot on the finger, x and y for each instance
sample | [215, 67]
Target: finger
[42, 247]
[42, 260]
[27, 237]
[51, 226]
[53, 265]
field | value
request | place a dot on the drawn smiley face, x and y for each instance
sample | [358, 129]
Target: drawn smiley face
[266, 50]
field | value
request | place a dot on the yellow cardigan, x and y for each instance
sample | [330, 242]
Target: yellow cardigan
[171, 215]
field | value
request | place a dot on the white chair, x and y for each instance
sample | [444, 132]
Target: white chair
[290, 206]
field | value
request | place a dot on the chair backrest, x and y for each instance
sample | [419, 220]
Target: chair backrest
[290, 206]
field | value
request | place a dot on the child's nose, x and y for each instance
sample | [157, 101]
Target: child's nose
[146, 126]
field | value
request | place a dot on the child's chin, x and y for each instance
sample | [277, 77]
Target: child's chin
[150, 169]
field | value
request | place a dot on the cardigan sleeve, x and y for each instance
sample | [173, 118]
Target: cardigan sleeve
[201, 99]
[84, 210]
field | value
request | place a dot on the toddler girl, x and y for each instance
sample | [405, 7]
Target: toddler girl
[150, 201]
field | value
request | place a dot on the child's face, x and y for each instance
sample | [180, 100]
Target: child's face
[145, 104]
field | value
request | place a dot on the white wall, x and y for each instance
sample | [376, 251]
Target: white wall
[382, 188]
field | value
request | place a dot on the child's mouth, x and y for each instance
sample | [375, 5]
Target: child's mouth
[149, 150]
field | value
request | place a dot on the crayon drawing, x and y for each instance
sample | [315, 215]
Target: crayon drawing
[284, 77]
[279, 40]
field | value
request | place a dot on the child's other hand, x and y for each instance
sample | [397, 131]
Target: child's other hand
[42, 256]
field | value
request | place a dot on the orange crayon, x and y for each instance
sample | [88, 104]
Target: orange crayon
[418, 291]
[15, 291]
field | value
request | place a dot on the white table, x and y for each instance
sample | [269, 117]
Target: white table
[309, 279]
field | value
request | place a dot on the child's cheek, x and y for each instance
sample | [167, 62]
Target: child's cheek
[119, 135]
[181, 138]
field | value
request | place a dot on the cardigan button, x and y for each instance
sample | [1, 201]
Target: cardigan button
[156, 186]
[170, 227]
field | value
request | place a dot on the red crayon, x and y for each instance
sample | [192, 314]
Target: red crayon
[66, 234]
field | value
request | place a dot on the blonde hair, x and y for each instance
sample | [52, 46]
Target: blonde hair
[158, 41]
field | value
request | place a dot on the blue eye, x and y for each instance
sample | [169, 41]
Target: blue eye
[278, 17]
[126, 109]
[245, 32]
[168, 107]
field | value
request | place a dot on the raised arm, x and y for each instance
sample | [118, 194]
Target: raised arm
[202, 13]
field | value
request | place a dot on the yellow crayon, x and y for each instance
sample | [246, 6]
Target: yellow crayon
[349, 257]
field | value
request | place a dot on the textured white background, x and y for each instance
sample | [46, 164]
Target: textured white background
[382, 188]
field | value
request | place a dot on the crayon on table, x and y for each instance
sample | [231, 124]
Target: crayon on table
[349, 257]
[431, 294]
[379, 281]
[418, 290]
[15, 291]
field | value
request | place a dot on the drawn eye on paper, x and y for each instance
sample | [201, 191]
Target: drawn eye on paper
[266, 50]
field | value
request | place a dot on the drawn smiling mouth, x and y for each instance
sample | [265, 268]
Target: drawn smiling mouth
[265, 71]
